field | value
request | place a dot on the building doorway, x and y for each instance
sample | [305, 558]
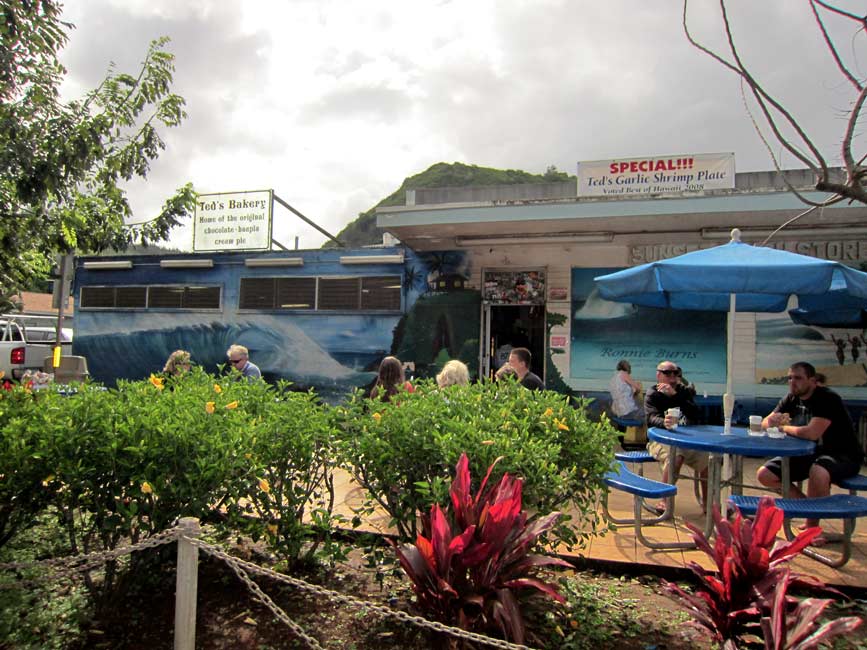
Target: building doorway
[513, 326]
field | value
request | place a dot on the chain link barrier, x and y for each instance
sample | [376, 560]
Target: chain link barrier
[69, 567]
[386, 612]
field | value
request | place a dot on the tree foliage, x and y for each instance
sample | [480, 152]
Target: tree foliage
[784, 126]
[63, 163]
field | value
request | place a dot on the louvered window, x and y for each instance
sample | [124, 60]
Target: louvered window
[381, 293]
[278, 293]
[155, 297]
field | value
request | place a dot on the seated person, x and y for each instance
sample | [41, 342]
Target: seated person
[624, 389]
[669, 392]
[520, 359]
[390, 380]
[815, 413]
[454, 373]
[177, 364]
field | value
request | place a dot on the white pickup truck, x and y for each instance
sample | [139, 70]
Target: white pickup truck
[25, 347]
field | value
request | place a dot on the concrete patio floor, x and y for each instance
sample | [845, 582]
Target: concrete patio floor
[621, 547]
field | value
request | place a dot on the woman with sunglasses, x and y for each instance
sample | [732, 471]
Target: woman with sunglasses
[670, 392]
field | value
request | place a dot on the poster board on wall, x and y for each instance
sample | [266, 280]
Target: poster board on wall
[514, 287]
[605, 332]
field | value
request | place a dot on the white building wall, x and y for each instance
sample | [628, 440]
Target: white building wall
[558, 261]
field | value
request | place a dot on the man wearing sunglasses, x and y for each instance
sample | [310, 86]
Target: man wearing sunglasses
[239, 359]
[670, 392]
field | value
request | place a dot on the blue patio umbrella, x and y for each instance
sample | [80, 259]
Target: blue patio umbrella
[732, 277]
[836, 308]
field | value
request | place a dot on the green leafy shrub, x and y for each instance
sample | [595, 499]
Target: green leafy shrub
[401, 452]
[122, 465]
[25, 464]
[286, 494]
[39, 613]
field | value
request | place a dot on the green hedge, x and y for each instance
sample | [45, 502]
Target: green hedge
[126, 463]
[403, 452]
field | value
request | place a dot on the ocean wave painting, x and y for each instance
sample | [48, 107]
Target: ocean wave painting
[279, 347]
[597, 308]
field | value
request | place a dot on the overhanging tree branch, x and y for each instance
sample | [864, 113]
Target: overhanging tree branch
[776, 116]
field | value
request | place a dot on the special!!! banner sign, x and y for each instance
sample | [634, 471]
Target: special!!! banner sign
[655, 176]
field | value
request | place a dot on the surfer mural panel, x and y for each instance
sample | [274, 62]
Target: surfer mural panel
[332, 348]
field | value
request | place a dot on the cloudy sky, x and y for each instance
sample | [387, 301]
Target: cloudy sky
[332, 103]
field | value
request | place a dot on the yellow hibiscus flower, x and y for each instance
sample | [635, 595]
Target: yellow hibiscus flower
[232, 405]
[264, 485]
[146, 488]
[210, 406]
[548, 412]
[157, 382]
[377, 416]
[218, 389]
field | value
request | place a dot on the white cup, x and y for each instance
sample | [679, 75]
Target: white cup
[756, 425]
[774, 432]
[675, 413]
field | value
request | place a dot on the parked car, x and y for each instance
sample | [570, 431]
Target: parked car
[25, 348]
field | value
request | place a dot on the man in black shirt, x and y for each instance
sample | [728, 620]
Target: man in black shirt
[519, 359]
[814, 413]
[668, 392]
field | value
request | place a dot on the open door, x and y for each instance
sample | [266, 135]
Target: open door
[513, 316]
[516, 326]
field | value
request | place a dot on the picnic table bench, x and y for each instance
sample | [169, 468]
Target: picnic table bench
[622, 478]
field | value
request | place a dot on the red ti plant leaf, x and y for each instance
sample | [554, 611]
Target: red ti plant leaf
[441, 538]
[749, 561]
[797, 630]
[477, 565]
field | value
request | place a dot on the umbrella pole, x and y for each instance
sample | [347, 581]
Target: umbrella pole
[729, 396]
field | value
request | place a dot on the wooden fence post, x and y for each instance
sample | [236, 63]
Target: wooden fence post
[186, 585]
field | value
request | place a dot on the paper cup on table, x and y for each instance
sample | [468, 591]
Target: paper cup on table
[675, 413]
[756, 425]
[774, 432]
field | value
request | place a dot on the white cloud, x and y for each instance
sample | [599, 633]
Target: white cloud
[332, 103]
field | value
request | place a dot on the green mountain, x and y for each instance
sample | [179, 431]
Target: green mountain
[363, 231]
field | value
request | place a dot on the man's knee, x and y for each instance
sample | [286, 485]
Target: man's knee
[819, 474]
[767, 478]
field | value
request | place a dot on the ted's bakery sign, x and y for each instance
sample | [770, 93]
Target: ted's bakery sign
[238, 221]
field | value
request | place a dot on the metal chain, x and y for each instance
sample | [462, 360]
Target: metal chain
[235, 565]
[67, 567]
[387, 612]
